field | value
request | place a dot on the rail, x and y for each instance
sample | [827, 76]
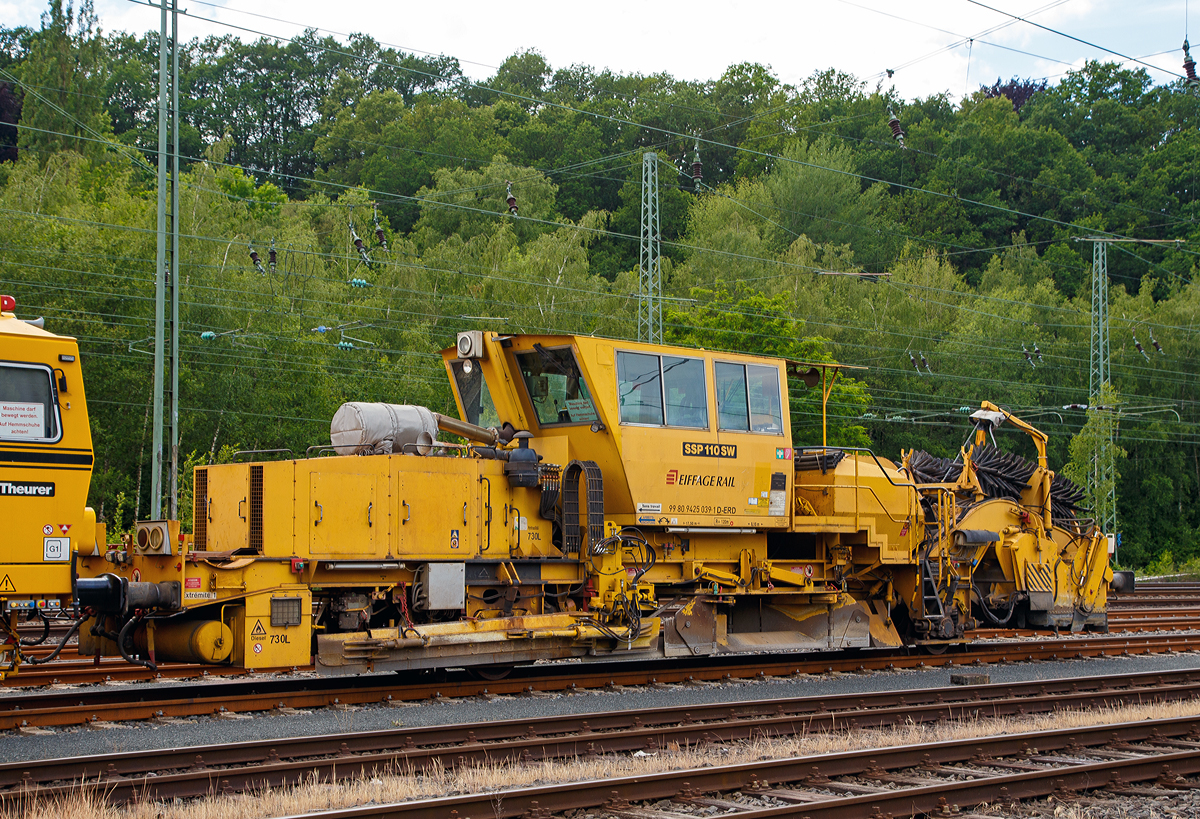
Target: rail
[188, 771]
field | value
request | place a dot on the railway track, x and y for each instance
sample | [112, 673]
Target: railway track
[215, 697]
[248, 766]
[934, 779]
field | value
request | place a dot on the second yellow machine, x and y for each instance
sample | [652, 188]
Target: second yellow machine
[612, 499]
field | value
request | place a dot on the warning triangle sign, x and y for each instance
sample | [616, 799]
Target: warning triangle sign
[6, 585]
[257, 631]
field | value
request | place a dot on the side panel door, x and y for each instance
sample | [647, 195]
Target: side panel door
[228, 508]
[437, 515]
[344, 514]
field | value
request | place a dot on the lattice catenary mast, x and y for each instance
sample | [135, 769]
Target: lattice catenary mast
[166, 364]
[650, 272]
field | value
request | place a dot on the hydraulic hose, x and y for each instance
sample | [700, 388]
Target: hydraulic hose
[987, 613]
[45, 632]
[126, 630]
[61, 644]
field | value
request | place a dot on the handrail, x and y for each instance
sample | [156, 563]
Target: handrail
[856, 449]
[882, 506]
[242, 452]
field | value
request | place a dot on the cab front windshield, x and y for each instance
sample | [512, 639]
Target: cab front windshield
[556, 387]
[477, 403]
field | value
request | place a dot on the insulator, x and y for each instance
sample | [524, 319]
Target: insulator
[257, 262]
[362, 250]
[345, 345]
[271, 257]
[1140, 349]
[208, 335]
[1028, 357]
[1157, 346]
[1189, 65]
[358, 244]
[697, 174]
[1037, 352]
[321, 328]
[359, 283]
[913, 359]
[897, 131]
[511, 200]
[379, 235]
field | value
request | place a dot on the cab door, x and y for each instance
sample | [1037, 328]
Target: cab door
[753, 431]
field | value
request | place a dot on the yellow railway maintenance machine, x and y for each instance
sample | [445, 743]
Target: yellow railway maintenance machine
[45, 470]
[613, 499]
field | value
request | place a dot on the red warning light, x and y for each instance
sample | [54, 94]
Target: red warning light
[8, 304]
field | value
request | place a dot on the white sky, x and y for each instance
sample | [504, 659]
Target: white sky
[698, 40]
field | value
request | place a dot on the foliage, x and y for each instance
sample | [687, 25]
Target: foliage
[949, 267]
[754, 323]
[62, 78]
[1017, 91]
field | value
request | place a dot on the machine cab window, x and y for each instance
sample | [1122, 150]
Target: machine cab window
[28, 406]
[556, 387]
[473, 392]
[748, 398]
[662, 390]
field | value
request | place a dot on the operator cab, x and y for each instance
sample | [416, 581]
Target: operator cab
[684, 438]
[45, 463]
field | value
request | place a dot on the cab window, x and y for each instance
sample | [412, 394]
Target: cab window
[748, 398]
[658, 390]
[28, 409]
[473, 392]
[556, 387]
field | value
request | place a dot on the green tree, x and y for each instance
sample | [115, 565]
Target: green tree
[63, 81]
[752, 323]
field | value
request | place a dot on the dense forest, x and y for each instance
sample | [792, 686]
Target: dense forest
[953, 263]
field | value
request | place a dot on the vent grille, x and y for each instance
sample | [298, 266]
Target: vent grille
[200, 511]
[256, 508]
[286, 611]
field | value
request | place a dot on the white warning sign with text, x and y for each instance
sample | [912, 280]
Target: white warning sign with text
[22, 420]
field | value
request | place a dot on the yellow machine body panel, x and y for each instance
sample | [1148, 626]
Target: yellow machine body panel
[614, 499]
[860, 494]
[45, 464]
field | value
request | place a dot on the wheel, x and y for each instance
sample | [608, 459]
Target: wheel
[936, 649]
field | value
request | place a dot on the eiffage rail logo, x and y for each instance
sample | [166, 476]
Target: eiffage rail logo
[675, 478]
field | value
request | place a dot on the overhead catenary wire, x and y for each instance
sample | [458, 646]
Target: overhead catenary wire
[924, 190]
[668, 132]
[1105, 49]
